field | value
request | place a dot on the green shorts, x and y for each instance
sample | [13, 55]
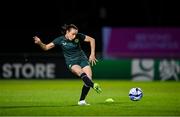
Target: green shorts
[83, 63]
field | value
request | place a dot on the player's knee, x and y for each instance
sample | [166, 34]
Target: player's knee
[78, 73]
[90, 77]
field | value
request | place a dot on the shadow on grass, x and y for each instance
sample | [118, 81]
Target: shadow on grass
[38, 106]
[122, 104]
[118, 104]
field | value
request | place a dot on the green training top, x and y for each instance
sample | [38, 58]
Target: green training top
[71, 49]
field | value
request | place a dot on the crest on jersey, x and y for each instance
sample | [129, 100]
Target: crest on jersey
[76, 40]
[64, 43]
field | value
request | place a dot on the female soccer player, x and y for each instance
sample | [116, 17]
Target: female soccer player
[75, 57]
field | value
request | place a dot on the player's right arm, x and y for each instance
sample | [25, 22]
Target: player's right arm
[45, 47]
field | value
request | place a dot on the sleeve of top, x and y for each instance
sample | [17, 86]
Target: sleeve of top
[57, 41]
[81, 36]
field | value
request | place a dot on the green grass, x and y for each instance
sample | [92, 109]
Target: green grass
[59, 97]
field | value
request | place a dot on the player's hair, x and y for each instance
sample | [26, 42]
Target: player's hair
[66, 27]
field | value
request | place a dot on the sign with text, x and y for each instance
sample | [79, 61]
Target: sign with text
[33, 67]
[141, 42]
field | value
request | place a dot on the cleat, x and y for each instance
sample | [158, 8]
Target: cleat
[83, 103]
[97, 88]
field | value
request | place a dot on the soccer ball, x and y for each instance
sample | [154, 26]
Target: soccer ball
[135, 94]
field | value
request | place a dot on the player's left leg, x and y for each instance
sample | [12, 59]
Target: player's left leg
[85, 88]
[76, 69]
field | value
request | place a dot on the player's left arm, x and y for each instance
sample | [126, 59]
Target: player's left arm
[92, 58]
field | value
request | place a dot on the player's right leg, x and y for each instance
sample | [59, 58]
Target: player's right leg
[88, 71]
[97, 88]
[81, 72]
[76, 69]
[87, 84]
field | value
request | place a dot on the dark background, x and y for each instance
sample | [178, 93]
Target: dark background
[21, 20]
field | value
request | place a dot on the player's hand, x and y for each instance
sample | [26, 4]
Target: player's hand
[92, 60]
[37, 40]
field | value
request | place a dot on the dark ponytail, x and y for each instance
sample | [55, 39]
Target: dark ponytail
[66, 27]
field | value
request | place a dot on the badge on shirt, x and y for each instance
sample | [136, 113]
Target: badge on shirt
[76, 40]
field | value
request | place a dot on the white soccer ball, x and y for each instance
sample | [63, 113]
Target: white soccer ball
[135, 94]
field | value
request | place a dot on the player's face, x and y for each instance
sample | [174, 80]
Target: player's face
[71, 34]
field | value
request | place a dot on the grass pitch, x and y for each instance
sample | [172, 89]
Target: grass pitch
[59, 98]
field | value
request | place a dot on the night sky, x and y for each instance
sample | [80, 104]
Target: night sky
[21, 20]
